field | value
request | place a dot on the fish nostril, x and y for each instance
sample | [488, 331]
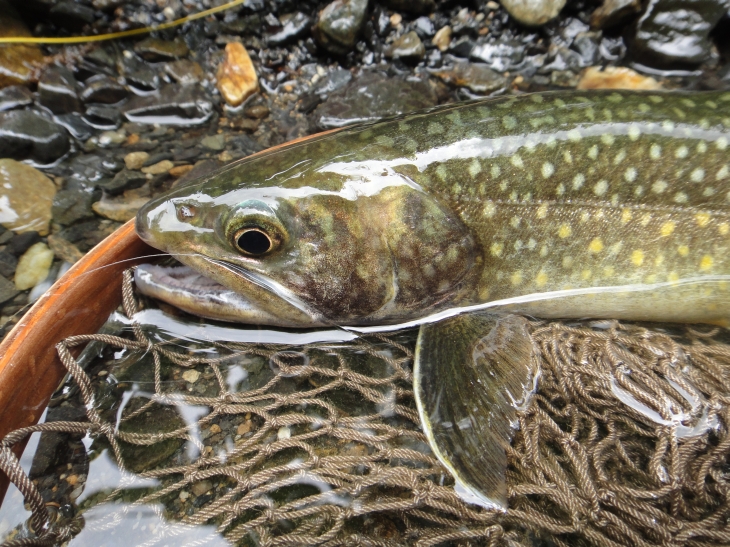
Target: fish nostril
[186, 212]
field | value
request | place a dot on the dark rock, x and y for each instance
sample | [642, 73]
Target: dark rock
[71, 15]
[296, 27]
[137, 73]
[74, 124]
[22, 242]
[250, 25]
[84, 234]
[477, 77]
[15, 96]
[185, 72]
[103, 89]
[339, 25]
[411, 6]
[27, 135]
[57, 90]
[462, 47]
[7, 290]
[614, 12]
[370, 97]
[101, 56]
[675, 33]
[171, 105]
[505, 55]
[74, 202]
[5, 235]
[124, 180]
[102, 117]
[157, 158]
[187, 154]
[91, 168]
[407, 47]
[8, 263]
[18, 62]
[53, 448]
[257, 111]
[154, 49]
[334, 80]
[243, 145]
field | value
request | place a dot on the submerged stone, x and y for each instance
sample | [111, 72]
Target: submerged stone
[57, 90]
[33, 266]
[103, 89]
[407, 47]
[185, 72]
[15, 96]
[476, 76]
[26, 196]
[120, 209]
[236, 77]
[614, 12]
[173, 104]
[26, 135]
[18, 62]
[613, 77]
[339, 25]
[533, 13]
[295, 27]
[154, 49]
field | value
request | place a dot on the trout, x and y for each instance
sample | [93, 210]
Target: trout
[603, 204]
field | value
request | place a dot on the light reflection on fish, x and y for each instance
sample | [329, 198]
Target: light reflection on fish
[577, 204]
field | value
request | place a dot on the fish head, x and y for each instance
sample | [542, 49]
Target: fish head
[326, 248]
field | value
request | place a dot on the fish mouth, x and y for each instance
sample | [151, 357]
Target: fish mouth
[189, 290]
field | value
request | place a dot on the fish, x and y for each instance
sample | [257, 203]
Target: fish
[463, 220]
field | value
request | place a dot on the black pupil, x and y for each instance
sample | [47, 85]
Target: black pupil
[254, 242]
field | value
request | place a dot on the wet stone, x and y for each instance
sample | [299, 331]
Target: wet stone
[675, 33]
[27, 135]
[171, 104]
[103, 89]
[371, 97]
[442, 38]
[25, 197]
[73, 203]
[339, 25]
[295, 27]
[102, 117]
[74, 123]
[93, 167]
[57, 90]
[8, 263]
[64, 249]
[477, 77]
[501, 56]
[616, 78]
[407, 48]
[185, 72]
[33, 266]
[22, 242]
[257, 111]
[533, 12]
[411, 6]
[7, 289]
[462, 47]
[17, 61]
[15, 96]
[124, 180]
[71, 15]
[156, 158]
[119, 208]
[137, 73]
[214, 142]
[236, 77]
[424, 27]
[158, 168]
[614, 12]
[135, 160]
[154, 49]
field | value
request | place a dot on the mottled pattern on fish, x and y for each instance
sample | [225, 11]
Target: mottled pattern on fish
[539, 193]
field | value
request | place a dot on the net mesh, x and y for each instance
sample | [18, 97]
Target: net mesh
[328, 449]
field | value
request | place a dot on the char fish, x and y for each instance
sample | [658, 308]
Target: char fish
[559, 205]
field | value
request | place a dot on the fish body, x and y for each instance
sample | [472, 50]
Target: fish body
[602, 204]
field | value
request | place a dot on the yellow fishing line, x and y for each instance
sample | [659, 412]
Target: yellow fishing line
[115, 35]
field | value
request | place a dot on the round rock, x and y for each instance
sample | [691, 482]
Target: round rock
[533, 13]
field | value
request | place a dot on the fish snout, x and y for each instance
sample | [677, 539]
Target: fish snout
[142, 224]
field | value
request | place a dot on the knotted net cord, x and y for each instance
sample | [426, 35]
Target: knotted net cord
[584, 467]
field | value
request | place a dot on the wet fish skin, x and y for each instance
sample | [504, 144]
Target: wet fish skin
[571, 204]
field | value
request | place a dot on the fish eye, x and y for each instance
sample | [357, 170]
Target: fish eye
[253, 241]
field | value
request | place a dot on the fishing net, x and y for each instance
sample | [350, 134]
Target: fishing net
[625, 443]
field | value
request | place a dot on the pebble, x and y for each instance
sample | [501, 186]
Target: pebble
[295, 27]
[172, 104]
[180, 170]
[339, 25]
[57, 90]
[158, 168]
[26, 197]
[214, 429]
[214, 142]
[124, 180]
[20, 243]
[245, 427]
[533, 13]
[74, 203]
[407, 47]
[201, 487]
[442, 38]
[108, 138]
[184, 495]
[135, 160]
[7, 290]
[64, 249]
[283, 433]
[192, 376]
[476, 76]
[15, 96]
[8, 263]
[120, 209]
[33, 266]
[101, 116]
[154, 49]
[612, 77]
[614, 12]
[17, 61]
[27, 135]
[103, 89]
[185, 72]
[236, 77]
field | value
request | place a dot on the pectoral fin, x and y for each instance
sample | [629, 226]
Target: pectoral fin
[473, 373]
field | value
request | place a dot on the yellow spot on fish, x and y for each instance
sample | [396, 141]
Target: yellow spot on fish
[724, 229]
[667, 228]
[645, 219]
[706, 263]
[608, 139]
[600, 188]
[567, 156]
[541, 279]
[489, 209]
[578, 181]
[651, 279]
[515, 222]
[673, 277]
[639, 190]
[621, 156]
[609, 271]
[683, 250]
[516, 160]
[542, 210]
[596, 245]
[442, 172]
[680, 197]
[475, 168]
[547, 169]
[709, 191]
[435, 128]
[585, 216]
[560, 190]
[585, 275]
[721, 143]
[697, 175]
[509, 122]
[630, 174]
[722, 173]
[702, 146]
[544, 251]
[702, 219]
[565, 231]
[659, 260]
[655, 151]
[634, 132]
[637, 257]
[567, 262]
[531, 244]
[574, 135]
[615, 248]
[659, 186]
[625, 216]
[516, 277]
[495, 171]
[681, 152]
[496, 249]
[593, 152]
